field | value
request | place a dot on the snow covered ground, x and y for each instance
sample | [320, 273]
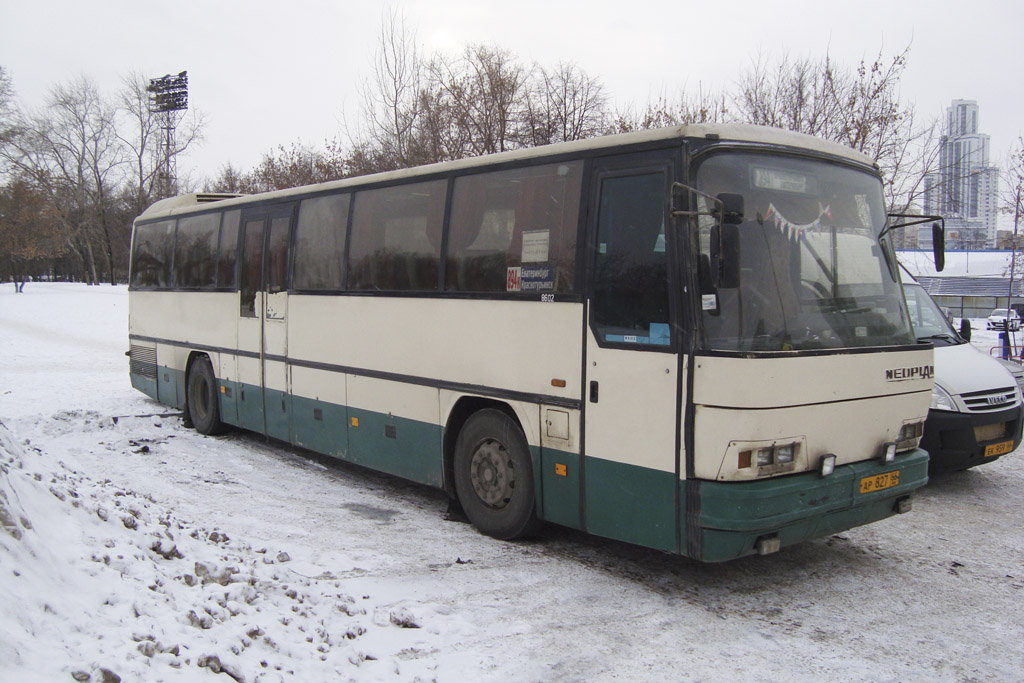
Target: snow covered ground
[135, 549]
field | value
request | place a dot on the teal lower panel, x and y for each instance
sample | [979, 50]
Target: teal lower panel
[630, 503]
[170, 386]
[320, 426]
[724, 519]
[560, 486]
[227, 394]
[399, 446]
[250, 408]
[275, 406]
[146, 385]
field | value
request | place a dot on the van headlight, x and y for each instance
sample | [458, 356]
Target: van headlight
[941, 400]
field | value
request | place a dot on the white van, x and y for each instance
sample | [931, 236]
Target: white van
[976, 411]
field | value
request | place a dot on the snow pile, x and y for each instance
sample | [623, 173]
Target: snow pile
[104, 585]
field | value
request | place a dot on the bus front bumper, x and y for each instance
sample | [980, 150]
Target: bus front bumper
[726, 520]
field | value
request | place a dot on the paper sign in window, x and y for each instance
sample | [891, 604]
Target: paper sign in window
[535, 246]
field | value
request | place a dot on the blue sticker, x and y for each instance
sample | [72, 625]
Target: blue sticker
[537, 278]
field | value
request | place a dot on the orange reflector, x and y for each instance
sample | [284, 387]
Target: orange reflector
[223, 388]
[558, 382]
[744, 459]
[355, 421]
[561, 470]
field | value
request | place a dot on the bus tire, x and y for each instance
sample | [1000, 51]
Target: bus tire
[494, 476]
[202, 406]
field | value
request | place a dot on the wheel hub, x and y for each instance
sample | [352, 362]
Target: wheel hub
[492, 474]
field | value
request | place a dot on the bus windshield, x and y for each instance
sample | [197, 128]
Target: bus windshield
[812, 274]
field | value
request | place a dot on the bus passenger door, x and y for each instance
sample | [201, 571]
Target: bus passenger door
[264, 403]
[632, 379]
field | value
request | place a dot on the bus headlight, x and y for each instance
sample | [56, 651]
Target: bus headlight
[769, 459]
[909, 436]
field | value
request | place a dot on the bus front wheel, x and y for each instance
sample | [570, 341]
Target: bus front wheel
[203, 410]
[494, 476]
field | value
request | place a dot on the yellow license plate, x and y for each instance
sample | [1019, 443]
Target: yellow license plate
[1000, 448]
[879, 482]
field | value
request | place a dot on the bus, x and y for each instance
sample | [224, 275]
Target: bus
[692, 339]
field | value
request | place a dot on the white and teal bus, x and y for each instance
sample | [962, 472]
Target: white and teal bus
[691, 339]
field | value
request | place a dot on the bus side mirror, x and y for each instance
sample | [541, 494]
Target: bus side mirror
[965, 329]
[725, 256]
[732, 208]
[939, 249]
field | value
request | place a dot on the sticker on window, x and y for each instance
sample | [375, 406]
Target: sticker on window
[659, 335]
[537, 278]
[535, 246]
[514, 279]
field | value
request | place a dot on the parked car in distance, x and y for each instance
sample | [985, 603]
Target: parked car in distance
[1002, 319]
[977, 410]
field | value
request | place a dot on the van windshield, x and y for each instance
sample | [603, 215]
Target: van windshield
[927, 318]
[812, 271]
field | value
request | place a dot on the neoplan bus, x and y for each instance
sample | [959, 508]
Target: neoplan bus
[692, 339]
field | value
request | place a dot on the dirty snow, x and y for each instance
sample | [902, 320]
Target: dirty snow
[135, 549]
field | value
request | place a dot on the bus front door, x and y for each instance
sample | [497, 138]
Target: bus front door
[632, 380]
[263, 405]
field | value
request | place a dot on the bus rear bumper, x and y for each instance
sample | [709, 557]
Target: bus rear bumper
[726, 520]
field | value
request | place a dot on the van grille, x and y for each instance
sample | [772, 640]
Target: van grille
[991, 400]
[143, 361]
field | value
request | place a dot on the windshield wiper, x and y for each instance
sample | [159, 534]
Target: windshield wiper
[945, 336]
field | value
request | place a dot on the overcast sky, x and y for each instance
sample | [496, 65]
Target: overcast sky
[268, 73]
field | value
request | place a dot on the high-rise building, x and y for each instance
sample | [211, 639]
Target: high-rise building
[965, 189]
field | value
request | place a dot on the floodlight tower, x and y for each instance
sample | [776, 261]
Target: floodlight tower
[168, 97]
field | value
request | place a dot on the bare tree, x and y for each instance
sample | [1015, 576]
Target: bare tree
[686, 109]
[28, 229]
[71, 151]
[294, 166]
[859, 108]
[390, 99]
[563, 104]
[1012, 203]
[8, 111]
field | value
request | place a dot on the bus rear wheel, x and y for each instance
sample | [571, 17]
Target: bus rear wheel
[494, 476]
[203, 410]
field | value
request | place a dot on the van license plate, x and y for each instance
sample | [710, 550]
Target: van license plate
[879, 482]
[1000, 448]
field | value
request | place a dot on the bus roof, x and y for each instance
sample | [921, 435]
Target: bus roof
[736, 132]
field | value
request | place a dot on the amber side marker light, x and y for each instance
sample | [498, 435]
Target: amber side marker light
[558, 383]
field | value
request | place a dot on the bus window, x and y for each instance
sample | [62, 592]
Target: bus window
[630, 303]
[152, 248]
[252, 252]
[277, 254]
[227, 253]
[195, 251]
[396, 237]
[320, 243]
[514, 230]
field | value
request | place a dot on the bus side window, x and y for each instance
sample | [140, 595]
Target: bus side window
[277, 254]
[630, 299]
[320, 243]
[252, 251]
[195, 251]
[521, 221]
[228, 250]
[152, 251]
[396, 237]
